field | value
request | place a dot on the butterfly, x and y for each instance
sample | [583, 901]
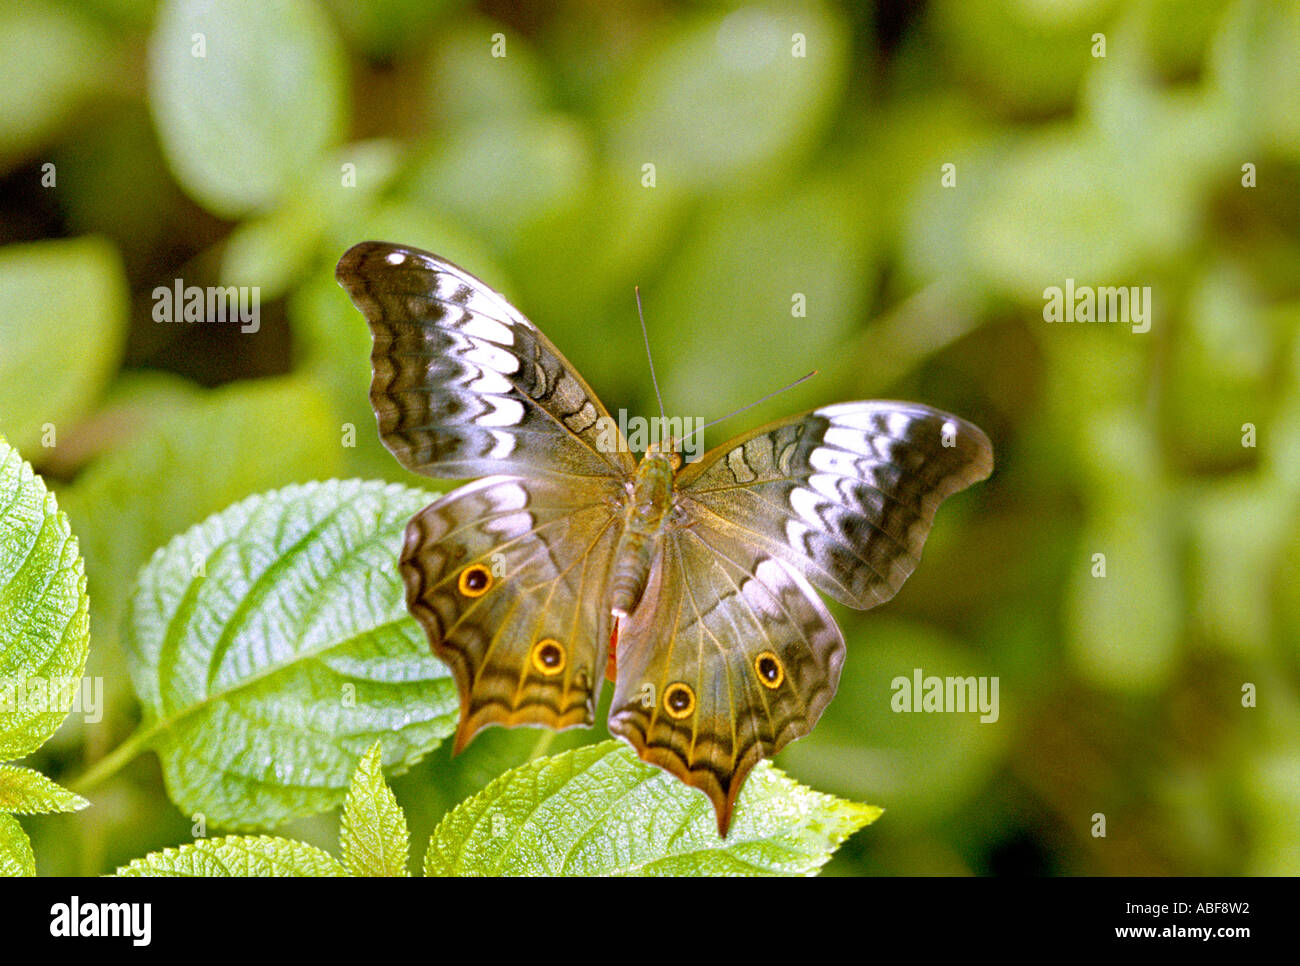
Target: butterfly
[693, 587]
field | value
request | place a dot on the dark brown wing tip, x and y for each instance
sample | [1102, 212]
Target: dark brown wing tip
[346, 270]
[722, 799]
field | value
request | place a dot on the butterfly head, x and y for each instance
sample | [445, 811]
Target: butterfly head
[666, 449]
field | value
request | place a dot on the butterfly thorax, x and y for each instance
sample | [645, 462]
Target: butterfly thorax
[647, 512]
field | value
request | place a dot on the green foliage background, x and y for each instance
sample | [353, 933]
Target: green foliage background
[774, 174]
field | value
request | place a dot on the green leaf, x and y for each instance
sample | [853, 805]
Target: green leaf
[52, 58]
[27, 792]
[466, 82]
[689, 108]
[274, 250]
[599, 811]
[236, 855]
[383, 29]
[244, 92]
[186, 460]
[373, 837]
[63, 312]
[44, 623]
[746, 261]
[498, 176]
[270, 646]
[16, 856]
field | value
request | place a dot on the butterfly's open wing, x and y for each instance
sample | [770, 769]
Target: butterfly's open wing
[463, 384]
[730, 655]
[846, 494]
[507, 576]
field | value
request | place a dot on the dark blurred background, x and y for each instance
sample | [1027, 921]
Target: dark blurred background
[797, 149]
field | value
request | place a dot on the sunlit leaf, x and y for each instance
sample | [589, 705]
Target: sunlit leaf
[270, 647]
[44, 622]
[27, 792]
[16, 856]
[373, 835]
[236, 855]
[599, 811]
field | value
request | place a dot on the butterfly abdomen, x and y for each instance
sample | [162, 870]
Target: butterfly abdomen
[652, 489]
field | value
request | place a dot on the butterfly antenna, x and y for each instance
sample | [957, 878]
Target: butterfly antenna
[646, 335]
[742, 409]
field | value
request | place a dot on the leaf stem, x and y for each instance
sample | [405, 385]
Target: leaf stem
[113, 762]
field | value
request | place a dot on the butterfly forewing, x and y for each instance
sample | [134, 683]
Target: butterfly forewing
[846, 494]
[464, 385]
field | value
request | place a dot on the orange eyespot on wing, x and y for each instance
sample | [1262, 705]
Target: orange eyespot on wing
[548, 656]
[679, 700]
[771, 672]
[474, 581]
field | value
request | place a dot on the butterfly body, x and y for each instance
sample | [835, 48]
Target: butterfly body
[647, 514]
[693, 587]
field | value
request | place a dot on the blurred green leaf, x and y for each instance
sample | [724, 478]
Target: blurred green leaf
[16, 856]
[27, 792]
[618, 231]
[1022, 57]
[373, 835]
[499, 175]
[383, 29]
[52, 59]
[63, 310]
[184, 463]
[688, 108]
[1221, 372]
[1125, 627]
[1272, 783]
[113, 181]
[733, 291]
[1254, 74]
[921, 766]
[44, 625]
[243, 93]
[600, 811]
[274, 250]
[469, 80]
[235, 855]
[270, 646]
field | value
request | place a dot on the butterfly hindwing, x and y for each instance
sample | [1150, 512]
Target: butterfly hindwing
[730, 655]
[463, 384]
[846, 493]
[507, 577]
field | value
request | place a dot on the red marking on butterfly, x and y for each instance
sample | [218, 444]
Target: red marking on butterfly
[611, 664]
